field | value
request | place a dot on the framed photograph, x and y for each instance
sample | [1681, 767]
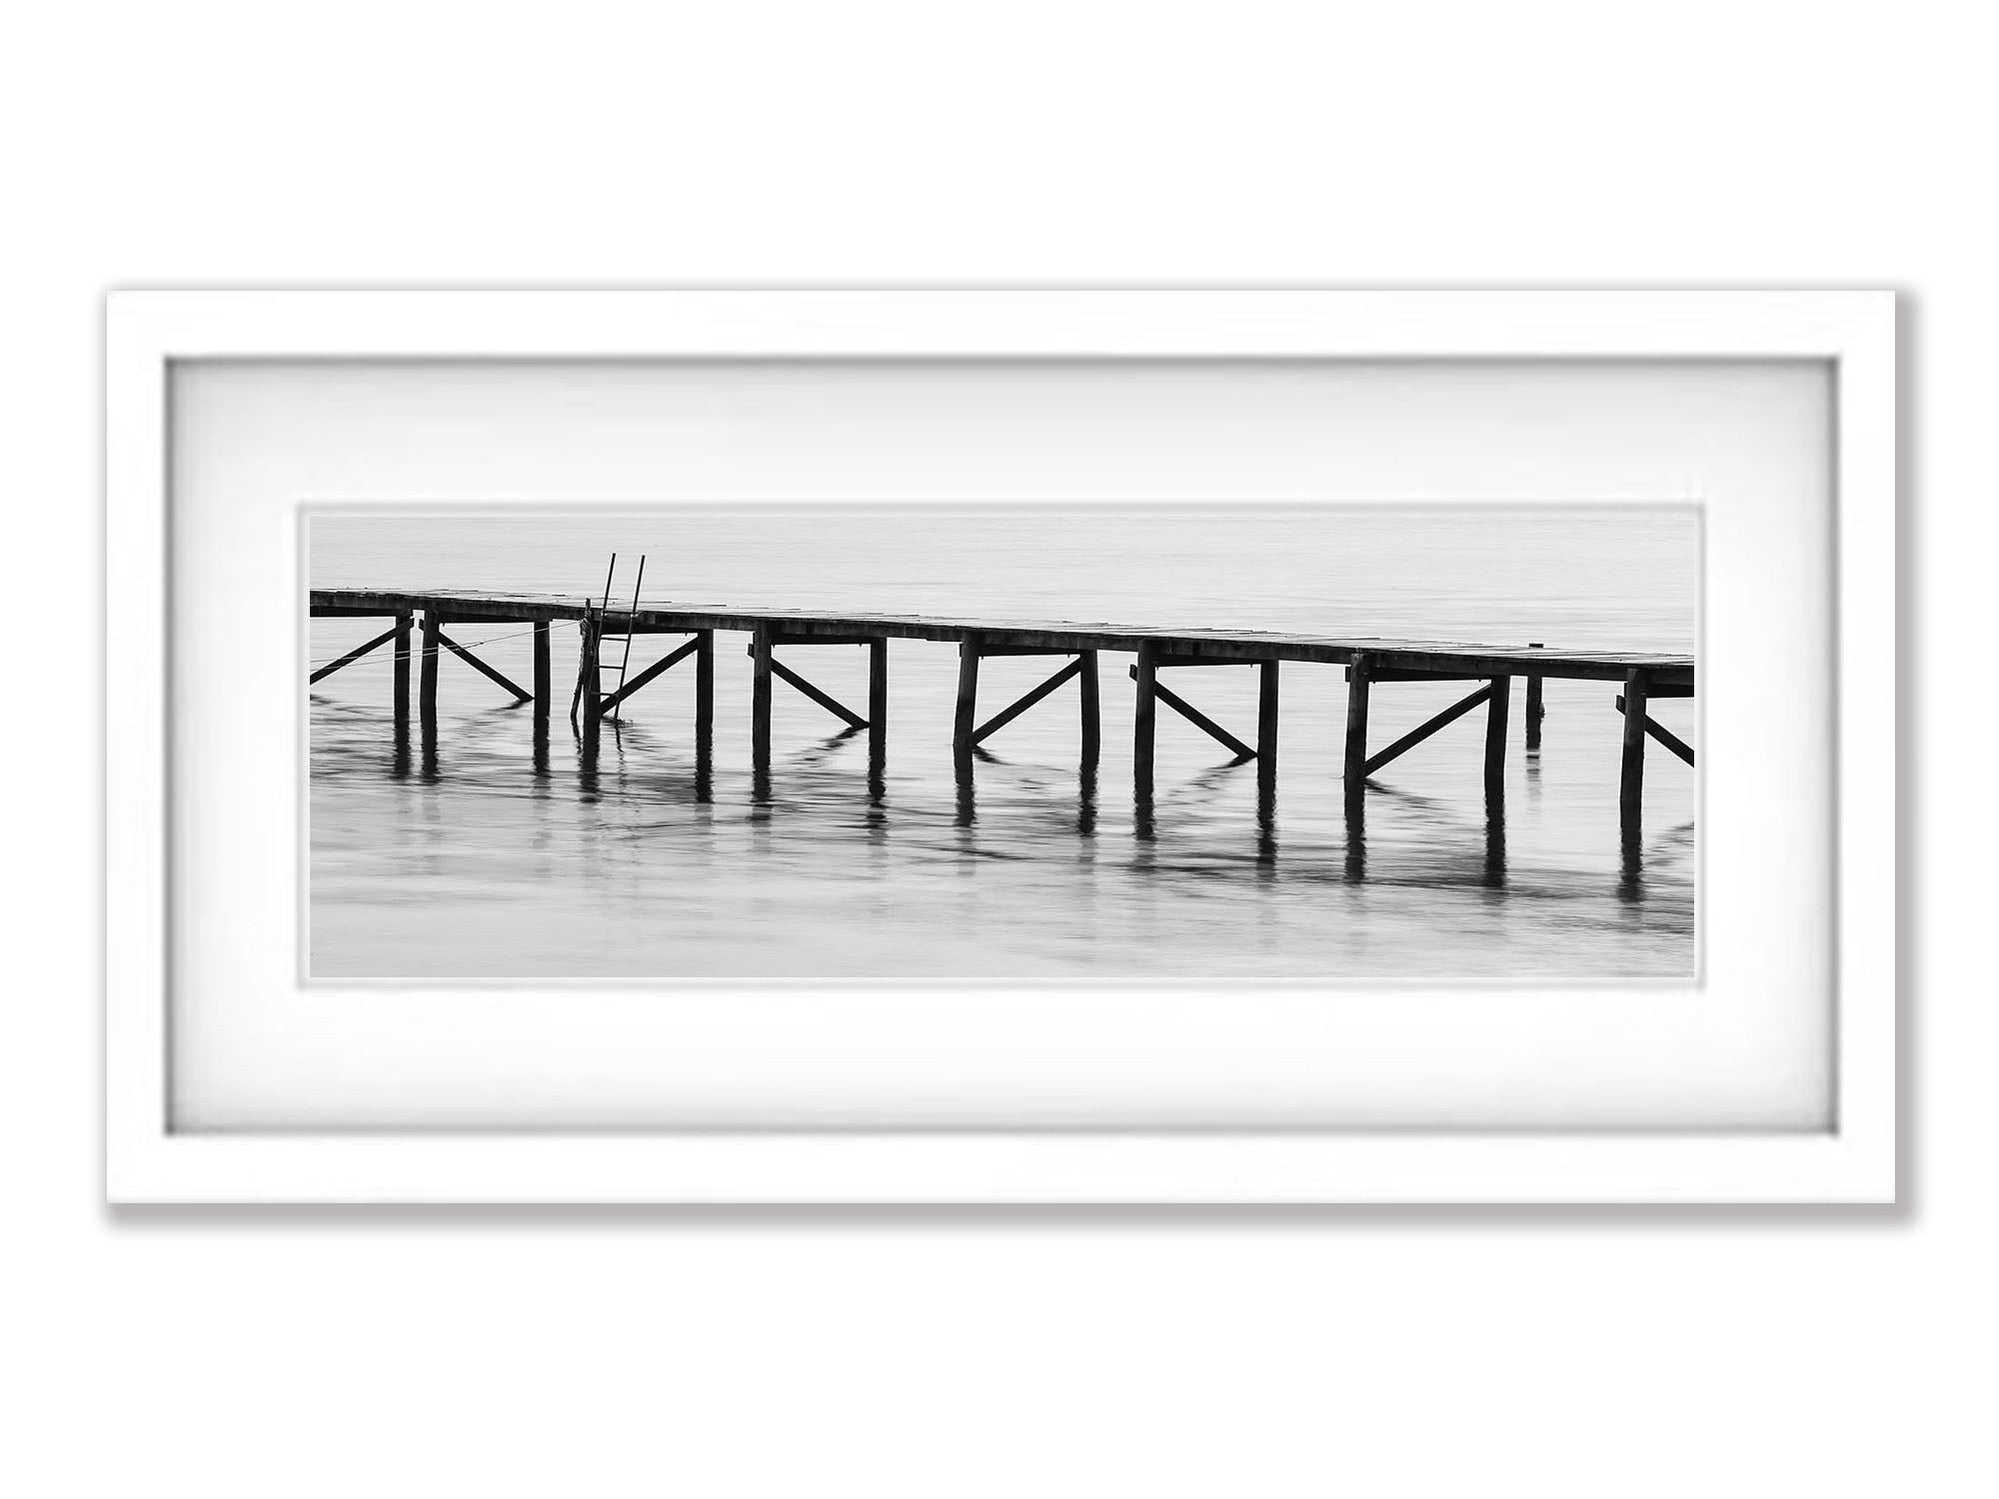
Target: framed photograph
[1262, 746]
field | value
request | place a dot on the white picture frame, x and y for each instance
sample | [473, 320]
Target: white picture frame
[1850, 1160]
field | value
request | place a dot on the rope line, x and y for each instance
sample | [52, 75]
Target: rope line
[378, 657]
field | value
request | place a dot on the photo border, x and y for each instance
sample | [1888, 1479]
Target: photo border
[1854, 1162]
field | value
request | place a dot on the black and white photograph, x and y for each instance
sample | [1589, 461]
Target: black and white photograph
[1014, 742]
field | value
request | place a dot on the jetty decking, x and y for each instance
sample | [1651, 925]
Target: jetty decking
[1368, 662]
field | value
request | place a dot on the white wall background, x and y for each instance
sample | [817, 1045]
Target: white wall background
[502, 1353]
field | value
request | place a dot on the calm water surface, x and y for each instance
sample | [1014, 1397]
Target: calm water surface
[482, 863]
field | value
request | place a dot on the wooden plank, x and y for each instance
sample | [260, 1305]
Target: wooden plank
[1432, 659]
[1007, 715]
[831, 704]
[665, 664]
[1665, 736]
[1631, 778]
[354, 655]
[968, 696]
[466, 656]
[1199, 719]
[1423, 731]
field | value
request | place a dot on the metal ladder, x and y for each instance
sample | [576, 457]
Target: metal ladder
[604, 615]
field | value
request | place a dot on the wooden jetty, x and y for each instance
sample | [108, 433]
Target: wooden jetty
[1369, 664]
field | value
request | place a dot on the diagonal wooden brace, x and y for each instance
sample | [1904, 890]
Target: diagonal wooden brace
[665, 663]
[1199, 719]
[1007, 715]
[1418, 734]
[355, 655]
[1664, 735]
[464, 655]
[831, 704]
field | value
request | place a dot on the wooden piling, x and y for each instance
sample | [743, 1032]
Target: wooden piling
[1495, 742]
[1359, 675]
[1144, 713]
[878, 688]
[1631, 780]
[427, 685]
[544, 674]
[964, 726]
[760, 682]
[704, 690]
[1093, 717]
[404, 621]
[1535, 712]
[587, 686]
[1266, 723]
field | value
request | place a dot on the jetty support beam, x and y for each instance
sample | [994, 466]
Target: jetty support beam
[1027, 700]
[830, 703]
[1496, 705]
[402, 667]
[1093, 716]
[427, 683]
[1631, 779]
[1146, 674]
[1266, 725]
[1535, 711]
[520, 693]
[963, 730]
[354, 655]
[967, 732]
[1664, 736]
[877, 719]
[544, 676]
[760, 649]
[704, 692]
[587, 679]
[1360, 676]
[1421, 732]
[784, 673]
[1196, 717]
[659, 668]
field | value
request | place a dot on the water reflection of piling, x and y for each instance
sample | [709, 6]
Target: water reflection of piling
[1495, 844]
[1631, 865]
[1266, 823]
